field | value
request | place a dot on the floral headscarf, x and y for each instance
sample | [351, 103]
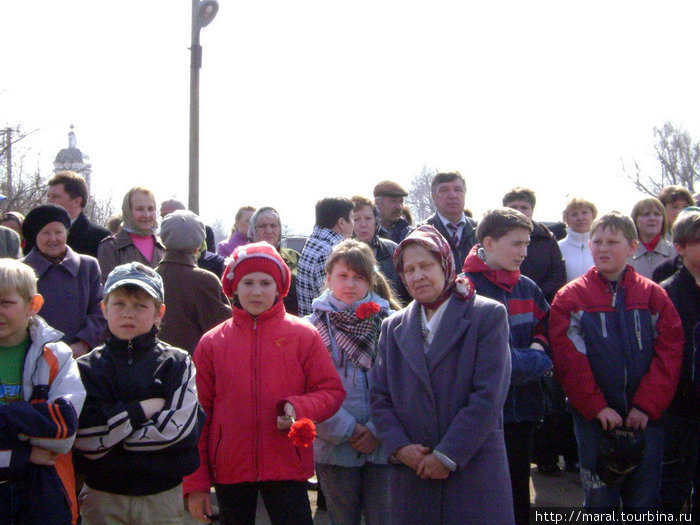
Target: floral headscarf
[429, 238]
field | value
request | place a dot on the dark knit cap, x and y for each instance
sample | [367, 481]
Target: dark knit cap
[40, 217]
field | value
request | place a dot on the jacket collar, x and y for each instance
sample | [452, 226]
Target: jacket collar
[578, 239]
[41, 333]
[141, 342]
[320, 232]
[186, 259]
[80, 224]
[123, 239]
[410, 337]
[662, 248]
[71, 262]
[243, 318]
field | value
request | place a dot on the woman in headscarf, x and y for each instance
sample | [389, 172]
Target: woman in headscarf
[69, 282]
[367, 224]
[438, 389]
[265, 225]
[137, 240]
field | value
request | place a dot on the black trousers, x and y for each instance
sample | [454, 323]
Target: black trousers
[520, 438]
[287, 502]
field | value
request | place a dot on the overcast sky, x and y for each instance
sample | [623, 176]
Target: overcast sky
[306, 99]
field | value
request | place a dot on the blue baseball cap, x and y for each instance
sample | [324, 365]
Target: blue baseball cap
[137, 274]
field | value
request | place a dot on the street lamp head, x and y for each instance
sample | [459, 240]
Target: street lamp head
[206, 12]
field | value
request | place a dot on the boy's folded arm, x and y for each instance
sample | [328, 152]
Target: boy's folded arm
[178, 420]
[105, 424]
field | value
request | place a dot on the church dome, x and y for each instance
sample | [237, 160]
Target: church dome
[71, 154]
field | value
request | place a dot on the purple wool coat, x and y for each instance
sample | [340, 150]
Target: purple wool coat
[72, 294]
[449, 398]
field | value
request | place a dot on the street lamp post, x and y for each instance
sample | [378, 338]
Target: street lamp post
[203, 12]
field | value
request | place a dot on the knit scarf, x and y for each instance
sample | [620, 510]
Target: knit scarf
[651, 245]
[355, 338]
[476, 263]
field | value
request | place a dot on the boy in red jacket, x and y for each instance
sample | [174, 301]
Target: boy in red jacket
[256, 373]
[617, 345]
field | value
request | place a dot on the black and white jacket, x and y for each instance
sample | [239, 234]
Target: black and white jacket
[121, 451]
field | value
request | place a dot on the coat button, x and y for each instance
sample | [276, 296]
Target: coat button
[427, 432]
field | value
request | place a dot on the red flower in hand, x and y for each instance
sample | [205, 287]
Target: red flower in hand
[303, 432]
[366, 309]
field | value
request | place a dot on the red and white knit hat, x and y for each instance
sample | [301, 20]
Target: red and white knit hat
[256, 257]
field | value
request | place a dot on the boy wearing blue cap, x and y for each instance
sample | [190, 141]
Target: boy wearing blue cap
[140, 425]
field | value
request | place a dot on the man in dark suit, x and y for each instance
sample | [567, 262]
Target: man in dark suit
[69, 190]
[448, 191]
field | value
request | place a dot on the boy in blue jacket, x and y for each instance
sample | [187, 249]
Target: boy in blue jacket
[617, 343]
[493, 265]
[40, 396]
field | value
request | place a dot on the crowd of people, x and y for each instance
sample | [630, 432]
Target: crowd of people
[144, 365]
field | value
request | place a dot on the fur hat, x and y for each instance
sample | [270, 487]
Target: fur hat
[39, 217]
[182, 231]
[256, 257]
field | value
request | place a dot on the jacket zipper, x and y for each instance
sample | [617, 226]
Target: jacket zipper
[624, 369]
[130, 359]
[255, 394]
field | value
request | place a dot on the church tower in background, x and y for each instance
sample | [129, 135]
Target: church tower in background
[72, 159]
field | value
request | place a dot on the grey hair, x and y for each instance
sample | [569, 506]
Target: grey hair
[252, 235]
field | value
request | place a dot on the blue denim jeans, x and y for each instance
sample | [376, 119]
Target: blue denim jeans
[639, 490]
[352, 492]
[680, 460]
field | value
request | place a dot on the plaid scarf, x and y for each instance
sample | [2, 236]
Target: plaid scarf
[356, 339]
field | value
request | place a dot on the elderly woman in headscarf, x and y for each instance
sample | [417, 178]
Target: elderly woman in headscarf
[438, 389]
[265, 225]
[367, 223]
[137, 240]
[69, 282]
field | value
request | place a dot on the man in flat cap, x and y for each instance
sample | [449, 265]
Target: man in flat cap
[388, 196]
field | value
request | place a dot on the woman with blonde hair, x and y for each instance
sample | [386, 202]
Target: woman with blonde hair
[654, 248]
[137, 240]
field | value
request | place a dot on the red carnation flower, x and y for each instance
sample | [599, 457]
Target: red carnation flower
[303, 432]
[366, 309]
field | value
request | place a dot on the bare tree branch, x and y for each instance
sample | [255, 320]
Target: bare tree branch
[419, 198]
[679, 158]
